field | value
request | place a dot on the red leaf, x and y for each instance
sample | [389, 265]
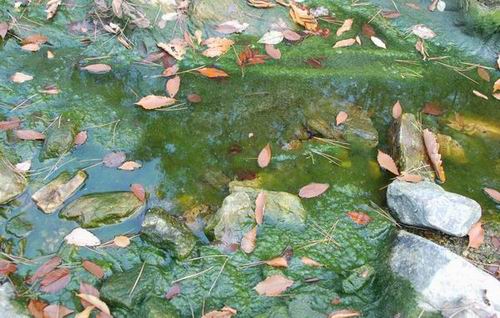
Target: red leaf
[341, 117]
[359, 217]
[7, 267]
[173, 291]
[56, 311]
[44, 269]
[138, 190]
[173, 85]
[93, 268]
[432, 108]
[313, 190]
[29, 134]
[264, 157]
[12, 123]
[260, 203]
[36, 307]
[55, 280]
[81, 138]
[114, 159]
[89, 290]
[397, 110]
[194, 98]
[385, 161]
[476, 235]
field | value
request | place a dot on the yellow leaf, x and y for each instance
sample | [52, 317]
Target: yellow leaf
[212, 72]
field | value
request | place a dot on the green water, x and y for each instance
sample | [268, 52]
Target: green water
[181, 149]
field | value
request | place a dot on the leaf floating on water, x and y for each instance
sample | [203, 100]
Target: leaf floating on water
[493, 194]
[359, 217]
[211, 72]
[81, 138]
[56, 311]
[51, 8]
[44, 269]
[341, 118]
[55, 280]
[346, 26]
[29, 134]
[277, 262]
[97, 68]
[271, 37]
[4, 28]
[385, 161]
[138, 190]
[432, 147]
[194, 98]
[479, 94]
[413, 178]
[273, 285]
[225, 312]
[313, 190]
[93, 268]
[172, 86]
[483, 73]
[35, 307]
[344, 313]
[121, 241]
[423, 32]
[154, 102]
[476, 235]
[378, 42]
[24, 166]
[19, 77]
[248, 241]
[397, 110]
[264, 157]
[217, 46]
[10, 124]
[291, 35]
[273, 52]
[82, 237]
[344, 43]
[432, 108]
[260, 205]
[95, 301]
[233, 26]
[7, 268]
[310, 262]
[130, 166]
[114, 159]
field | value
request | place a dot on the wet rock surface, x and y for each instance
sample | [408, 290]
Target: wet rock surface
[157, 307]
[359, 277]
[11, 182]
[58, 141]
[445, 281]
[426, 204]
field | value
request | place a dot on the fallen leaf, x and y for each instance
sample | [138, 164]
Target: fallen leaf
[496, 86]
[432, 147]
[476, 235]
[93, 268]
[260, 205]
[85, 313]
[344, 313]
[397, 110]
[271, 37]
[359, 217]
[368, 30]
[264, 157]
[36, 307]
[273, 285]
[138, 190]
[225, 312]
[378, 42]
[4, 28]
[130, 166]
[117, 8]
[90, 290]
[310, 262]
[233, 26]
[55, 280]
[29, 134]
[82, 237]
[261, 4]
[390, 14]
[121, 241]
[216, 46]
[6, 267]
[493, 194]
[344, 43]
[273, 52]
[81, 138]
[56, 311]
[385, 161]
[44, 269]
[291, 35]
[341, 118]
[114, 159]
[10, 124]
[97, 68]
[95, 301]
[346, 26]
[248, 241]
[19, 77]
[413, 5]
[313, 190]
[303, 17]
[423, 32]
[173, 291]
[30, 47]
[212, 72]
[413, 178]
[432, 108]
[170, 71]
[51, 8]
[250, 56]
[24, 166]
[483, 73]
[277, 262]
[173, 85]
[50, 90]
[35, 39]
[176, 48]
[194, 98]
[154, 102]
[479, 94]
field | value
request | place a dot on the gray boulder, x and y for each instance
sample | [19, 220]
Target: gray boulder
[426, 204]
[12, 183]
[445, 281]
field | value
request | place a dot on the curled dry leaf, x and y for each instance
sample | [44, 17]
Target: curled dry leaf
[413, 178]
[51, 8]
[96, 302]
[81, 138]
[176, 48]
[44, 269]
[172, 86]
[154, 102]
[359, 217]
[397, 110]
[341, 118]
[344, 43]
[493, 194]
[346, 26]
[378, 42]
[28, 134]
[233, 26]
[479, 94]
[277, 262]
[19, 77]
[432, 147]
[114, 159]
[6, 267]
[121, 241]
[93, 268]
[211, 72]
[273, 285]
[194, 98]
[310, 262]
[260, 205]
[217, 46]
[476, 235]
[10, 124]
[248, 241]
[130, 166]
[483, 73]
[313, 190]
[36, 307]
[82, 237]
[385, 161]
[264, 157]
[273, 52]
[344, 313]
[90, 290]
[56, 311]
[97, 68]
[138, 190]
[55, 280]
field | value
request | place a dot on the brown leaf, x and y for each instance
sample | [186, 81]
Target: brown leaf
[432, 108]
[225, 312]
[344, 43]
[492, 193]
[410, 178]
[51, 8]
[390, 14]
[88, 289]
[211, 72]
[273, 52]
[173, 291]
[291, 35]
[97, 68]
[50, 90]
[359, 217]
[44, 269]
[346, 27]
[4, 28]
[6, 267]
[273, 285]
[303, 17]
[397, 110]
[250, 56]
[479, 94]
[216, 46]
[341, 118]
[261, 3]
[368, 30]
[55, 280]
[233, 26]
[154, 102]
[35, 39]
[483, 73]
[19, 77]
[56, 311]
[93, 268]
[138, 190]
[432, 147]
[310, 262]
[248, 241]
[385, 161]
[412, 5]
[30, 47]
[172, 70]
[313, 190]
[10, 124]
[194, 98]
[277, 262]
[260, 204]
[81, 138]
[344, 313]
[130, 166]
[96, 302]
[28, 134]
[476, 235]
[36, 307]
[264, 157]
[173, 85]
[114, 159]
[121, 241]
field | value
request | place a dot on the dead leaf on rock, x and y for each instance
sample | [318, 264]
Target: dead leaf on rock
[310, 262]
[6, 267]
[493, 194]
[93, 268]
[262, 4]
[35, 39]
[248, 241]
[96, 302]
[483, 73]
[82, 237]
[176, 48]
[476, 235]
[303, 17]
[346, 26]
[19, 77]
[121, 241]
[225, 312]
[385, 161]
[291, 35]
[44, 269]
[139, 191]
[423, 32]
[216, 46]
[211, 72]
[277, 262]
[31, 47]
[271, 37]
[154, 102]
[273, 285]
[260, 204]
[114, 159]
[341, 118]
[55, 280]
[432, 147]
[233, 26]
[359, 217]
[90, 290]
[397, 110]
[85, 313]
[28, 134]
[344, 313]
[378, 42]
[313, 190]
[344, 43]
[264, 157]
[413, 178]
[97, 68]
[56, 311]
[173, 85]
[81, 138]
[36, 307]
[10, 124]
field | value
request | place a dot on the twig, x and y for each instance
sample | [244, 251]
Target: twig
[193, 275]
[137, 280]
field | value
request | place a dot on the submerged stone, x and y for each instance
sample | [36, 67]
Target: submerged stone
[358, 279]
[18, 226]
[426, 204]
[53, 195]
[166, 232]
[12, 183]
[444, 280]
[158, 307]
[58, 141]
[97, 209]
[449, 148]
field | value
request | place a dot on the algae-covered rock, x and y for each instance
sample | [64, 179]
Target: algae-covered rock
[157, 307]
[96, 209]
[166, 232]
[18, 226]
[53, 195]
[58, 141]
[359, 277]
[449, 148]
[12, 183]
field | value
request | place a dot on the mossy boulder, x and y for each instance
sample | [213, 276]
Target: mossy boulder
[58, 141]
[157, 307]
[97, 209]
[18, 226]
[166, 232]
[12, 183]
[359, 277]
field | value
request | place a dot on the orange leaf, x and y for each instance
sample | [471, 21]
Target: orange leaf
[432, 147]
[225, 312]
[121, 241]
[476, 235]
[341, 117]
[310, 262]
[483, 74]
[212, 72]
[385, 161]
[344, 313]
[248, 241]
[138, 190]
[313, 190]
[55, 280]
[154, 102]
[397, 110]
[359, 217]
[260, 204]
[344, 43]
[93, 268]
[36, 307]
[273, 285]
[29, 135]
[173, 85]
[6, 267]
[432, 108]
[10, 124]
[44, 269]
[264, 157]
[277, 262]
[97, 68]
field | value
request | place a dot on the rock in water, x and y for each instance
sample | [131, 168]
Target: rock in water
[97, 209]
[166, 232]
[158, 307]
[12, 183]
[426, 204]
[443, 279]
[53, 195]
[59, 140]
